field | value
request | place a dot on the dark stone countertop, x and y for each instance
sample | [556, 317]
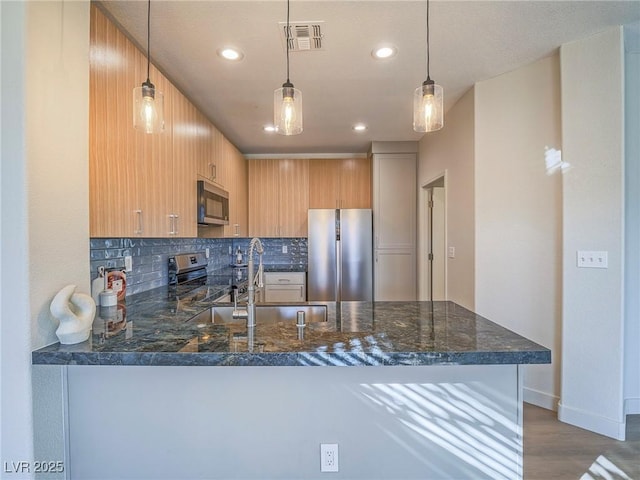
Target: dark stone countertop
[156, 328]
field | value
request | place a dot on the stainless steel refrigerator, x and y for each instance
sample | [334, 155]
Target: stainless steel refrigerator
[340, 250]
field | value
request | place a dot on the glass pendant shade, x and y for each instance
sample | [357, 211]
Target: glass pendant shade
[148, 108]
[428, 107]
[287, 110]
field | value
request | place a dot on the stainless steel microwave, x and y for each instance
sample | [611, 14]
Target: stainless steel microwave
[213, 204]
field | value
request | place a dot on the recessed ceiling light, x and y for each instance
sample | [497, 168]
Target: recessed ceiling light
[269, 128]
[386, 51]
[230, 53]
[359, 127]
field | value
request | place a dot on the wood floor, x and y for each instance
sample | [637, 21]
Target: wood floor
[556, 451]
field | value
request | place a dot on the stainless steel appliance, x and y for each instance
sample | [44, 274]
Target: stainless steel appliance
[188, 268]
[188, 273]
[213, 204]
[340, 249]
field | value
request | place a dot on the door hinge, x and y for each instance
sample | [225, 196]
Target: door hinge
[431, 257]
[430, 203]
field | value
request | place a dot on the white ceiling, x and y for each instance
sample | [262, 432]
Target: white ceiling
[342, 84]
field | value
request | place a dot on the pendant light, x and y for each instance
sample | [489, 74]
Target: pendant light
[287, 101]
[428, 100]
[148, 112]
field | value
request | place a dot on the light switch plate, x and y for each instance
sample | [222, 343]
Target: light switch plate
[592, 259]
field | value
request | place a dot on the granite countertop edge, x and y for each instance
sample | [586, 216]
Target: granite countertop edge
[290, 359]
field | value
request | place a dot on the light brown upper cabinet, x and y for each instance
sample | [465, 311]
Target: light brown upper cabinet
[130, 172]
[145, 185]
[340, 183]
[237, 187]
[278, 197]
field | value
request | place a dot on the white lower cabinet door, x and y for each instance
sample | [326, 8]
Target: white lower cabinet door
[394, 276]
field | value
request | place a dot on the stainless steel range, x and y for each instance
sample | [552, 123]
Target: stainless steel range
[188, 273]
[188, 268]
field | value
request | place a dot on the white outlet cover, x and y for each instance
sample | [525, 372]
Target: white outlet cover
[329, 457]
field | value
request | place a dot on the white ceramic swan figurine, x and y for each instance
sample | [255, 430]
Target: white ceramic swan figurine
[75, 312]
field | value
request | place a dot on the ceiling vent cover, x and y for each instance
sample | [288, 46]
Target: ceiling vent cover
[302, 36]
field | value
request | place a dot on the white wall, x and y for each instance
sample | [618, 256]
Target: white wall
[45, 108]
[57, 155]
[632, 220]
[451, 150]
[518, 213]
[593, 211]
[16, 419]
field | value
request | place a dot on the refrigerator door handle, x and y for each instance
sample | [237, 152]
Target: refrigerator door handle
[338, 259]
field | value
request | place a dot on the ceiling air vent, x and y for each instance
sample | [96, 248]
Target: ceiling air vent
[302, 36]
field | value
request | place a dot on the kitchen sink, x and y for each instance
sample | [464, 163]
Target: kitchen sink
[264, 314]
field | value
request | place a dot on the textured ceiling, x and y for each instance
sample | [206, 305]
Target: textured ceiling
[342, 84]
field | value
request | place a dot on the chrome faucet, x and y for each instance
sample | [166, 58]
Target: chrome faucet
[253, 279]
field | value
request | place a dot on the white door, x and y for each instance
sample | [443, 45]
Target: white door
[436, 244]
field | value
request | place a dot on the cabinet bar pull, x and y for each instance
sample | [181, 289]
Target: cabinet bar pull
[173, 224]
[140, 224]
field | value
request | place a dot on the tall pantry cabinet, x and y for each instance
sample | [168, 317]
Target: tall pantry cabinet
[394, 223]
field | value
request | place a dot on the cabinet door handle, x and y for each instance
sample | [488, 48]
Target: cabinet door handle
[237, 227]
[214, 170]
[284, 280]
[173, 224]
[140, 224]
[301, 292]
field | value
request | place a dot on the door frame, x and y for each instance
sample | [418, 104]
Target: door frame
[439, 180]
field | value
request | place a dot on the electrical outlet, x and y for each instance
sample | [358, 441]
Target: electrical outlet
[452, 252]
[328, 457]
[284, 249]
[588, 259]
[230, 251]
[128, 263]
[206, 252]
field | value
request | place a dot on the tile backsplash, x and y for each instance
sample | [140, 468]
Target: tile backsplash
[150, 255]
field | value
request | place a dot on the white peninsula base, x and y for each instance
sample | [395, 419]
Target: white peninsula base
[423, 422]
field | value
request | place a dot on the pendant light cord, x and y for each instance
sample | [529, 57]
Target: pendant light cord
[428, 40]
[148, 35]
[287, 39]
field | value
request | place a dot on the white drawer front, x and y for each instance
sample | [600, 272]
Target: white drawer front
[284, 278]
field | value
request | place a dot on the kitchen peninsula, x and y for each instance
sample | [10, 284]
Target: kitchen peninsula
[425, 391]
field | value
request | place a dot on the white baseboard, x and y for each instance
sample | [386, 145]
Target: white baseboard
[591, 422]
[632, 406]
[540, 399]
